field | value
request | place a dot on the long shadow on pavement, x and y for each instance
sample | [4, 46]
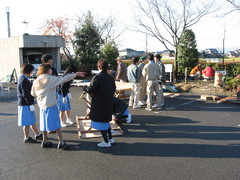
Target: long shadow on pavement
[193, 103]
[187, 138]
[164, 150]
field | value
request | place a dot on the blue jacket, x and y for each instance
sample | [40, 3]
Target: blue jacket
[162, 69]
[133, 73]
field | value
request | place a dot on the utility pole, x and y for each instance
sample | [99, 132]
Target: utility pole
[146, 43]
[223, 49]
[8, 21]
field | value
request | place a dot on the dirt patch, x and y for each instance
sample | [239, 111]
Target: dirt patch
[204, 87]
[185, 87]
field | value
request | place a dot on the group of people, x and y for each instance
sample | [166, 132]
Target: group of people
[53, 97]
[207, 73]
[46, 90]
[146, 79]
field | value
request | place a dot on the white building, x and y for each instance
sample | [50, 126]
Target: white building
[130, 52]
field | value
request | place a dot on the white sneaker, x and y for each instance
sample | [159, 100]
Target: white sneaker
[129, 118]
[159, 108]
[63, 124]
[112, 141]
[148, 109]
[104, 144]
[69, 121]
[130, 105]
[141, 103]
[155, 106]
[136, 107]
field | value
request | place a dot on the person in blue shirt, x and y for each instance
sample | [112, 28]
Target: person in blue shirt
[133, 74]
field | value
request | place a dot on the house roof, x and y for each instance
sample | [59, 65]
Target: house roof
[127, 50]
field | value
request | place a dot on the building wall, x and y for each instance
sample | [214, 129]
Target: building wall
[9, 56]
[11, 51]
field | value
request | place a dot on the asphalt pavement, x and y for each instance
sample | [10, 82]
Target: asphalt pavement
[190, 139]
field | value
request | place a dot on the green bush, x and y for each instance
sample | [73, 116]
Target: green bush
[233, 69]
[231, 83]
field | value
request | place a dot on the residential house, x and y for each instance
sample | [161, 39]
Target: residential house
[210, 53]
[231, 54]
[237, 52]
[128, 52]
[166, 54]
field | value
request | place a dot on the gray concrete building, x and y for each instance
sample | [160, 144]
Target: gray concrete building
[14, 51]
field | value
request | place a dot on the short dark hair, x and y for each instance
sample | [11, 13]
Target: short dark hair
[135, 60]
[46, 57]
[102, 64]
[158, 56]
[151, 57]
[27, 68]
[70, 69]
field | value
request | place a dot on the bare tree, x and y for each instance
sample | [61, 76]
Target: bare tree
[166, 20]
[59, 27]
[105, 27]
[235, 4]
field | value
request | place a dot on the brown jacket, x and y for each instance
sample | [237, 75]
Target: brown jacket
[121, 72]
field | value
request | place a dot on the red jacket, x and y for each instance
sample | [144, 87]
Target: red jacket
[208, 71]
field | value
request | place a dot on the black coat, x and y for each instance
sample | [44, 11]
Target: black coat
[24, 91]
[54, 71]
[64, 88]
[102, 88]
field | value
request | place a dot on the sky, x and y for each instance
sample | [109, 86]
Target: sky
[209, 31]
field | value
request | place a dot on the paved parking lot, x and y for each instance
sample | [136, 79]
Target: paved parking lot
[191, 139]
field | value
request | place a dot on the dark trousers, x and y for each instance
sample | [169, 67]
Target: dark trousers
[106, 134]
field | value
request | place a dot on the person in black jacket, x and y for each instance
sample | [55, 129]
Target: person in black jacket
[120, 111]
[64, 98]
[48, 59]
[26, 115]
[102, 88]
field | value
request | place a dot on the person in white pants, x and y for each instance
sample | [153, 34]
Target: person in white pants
[143, 83]
[133, 74]
[151, 72]
[162, 80]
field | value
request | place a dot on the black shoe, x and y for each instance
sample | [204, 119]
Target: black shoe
[30, 140]
[39, 137]
[46, 144]
[50, 132]
[63, 145]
